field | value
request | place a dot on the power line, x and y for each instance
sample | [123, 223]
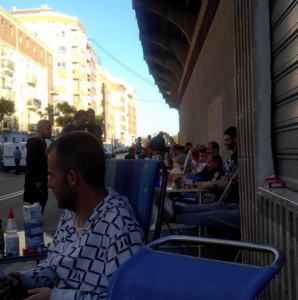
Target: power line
[121, 63]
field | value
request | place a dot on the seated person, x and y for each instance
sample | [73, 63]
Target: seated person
[131, 153]
[217, 214]
[180, 156]
[187, 147]
[212, 171]
[203, 157]
[96, 234]
[212, 148]
[143, 154]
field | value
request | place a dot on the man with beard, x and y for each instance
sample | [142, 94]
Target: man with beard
[36, 179]
[96, 234]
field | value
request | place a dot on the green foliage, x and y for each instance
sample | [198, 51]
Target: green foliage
[67, 112]
[7, 108]
[66, 109]
[99, 120]
[62, 121]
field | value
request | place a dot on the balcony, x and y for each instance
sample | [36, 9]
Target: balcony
[75, 41]
[7, 66]
[32, 127]
[76, 90]
[75, 58]
[31, 79]
[54, 91]
[33, 104]
[76, 74]
[88, 57]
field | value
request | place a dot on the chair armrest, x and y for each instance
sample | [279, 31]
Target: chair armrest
[278, 254]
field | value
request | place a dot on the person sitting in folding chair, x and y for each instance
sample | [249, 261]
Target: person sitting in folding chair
[96, 234]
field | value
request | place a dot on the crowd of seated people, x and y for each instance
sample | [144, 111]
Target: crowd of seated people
[207, 165]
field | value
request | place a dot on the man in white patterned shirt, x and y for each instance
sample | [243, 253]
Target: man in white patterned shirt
[96, 233]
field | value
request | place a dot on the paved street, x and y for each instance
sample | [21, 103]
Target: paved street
[11, 195]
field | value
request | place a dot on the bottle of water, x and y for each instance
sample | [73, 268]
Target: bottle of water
[12, 238]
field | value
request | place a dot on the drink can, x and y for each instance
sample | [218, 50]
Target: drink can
[177, 181]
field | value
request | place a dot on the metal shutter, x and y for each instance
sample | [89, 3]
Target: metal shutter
[284, 45]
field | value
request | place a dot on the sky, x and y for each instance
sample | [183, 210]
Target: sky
[113, 25]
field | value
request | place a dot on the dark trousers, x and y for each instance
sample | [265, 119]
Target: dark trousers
[17, 163]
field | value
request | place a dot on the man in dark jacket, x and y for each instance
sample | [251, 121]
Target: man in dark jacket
[36, 180]
[158, 145]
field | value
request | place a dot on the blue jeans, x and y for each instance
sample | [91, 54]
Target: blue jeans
[217, 214]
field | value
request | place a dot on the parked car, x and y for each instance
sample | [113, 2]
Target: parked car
[107, 153]
[111, 148]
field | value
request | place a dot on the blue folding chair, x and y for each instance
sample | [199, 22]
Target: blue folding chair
[152, 275]
[136, 180]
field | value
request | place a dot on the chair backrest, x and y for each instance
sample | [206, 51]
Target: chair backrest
[151, 274]
[136, 180]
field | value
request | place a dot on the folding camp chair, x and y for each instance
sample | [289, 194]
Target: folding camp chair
[136, 180]
[151, 274]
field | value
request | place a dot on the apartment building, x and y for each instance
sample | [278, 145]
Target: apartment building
[74, 60]
[26, 78]
[119, 109]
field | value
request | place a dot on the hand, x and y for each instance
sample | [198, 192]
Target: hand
[38, 186]
[7, 290]
[193, 167]
[40, 294]
[226, 177]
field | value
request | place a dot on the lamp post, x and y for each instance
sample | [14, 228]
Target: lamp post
[132, 139]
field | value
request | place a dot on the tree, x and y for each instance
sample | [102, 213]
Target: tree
[99, 120]
[68, 113]
[7, 108]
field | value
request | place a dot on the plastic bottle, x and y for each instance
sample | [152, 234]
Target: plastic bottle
[176, 172]
[2, 243]
[12, 238]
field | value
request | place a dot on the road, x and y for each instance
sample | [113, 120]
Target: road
[11, 195]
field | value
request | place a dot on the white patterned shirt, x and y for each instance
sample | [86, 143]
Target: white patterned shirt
[80, 266]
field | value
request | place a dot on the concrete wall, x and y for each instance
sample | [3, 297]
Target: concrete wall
[208, 106]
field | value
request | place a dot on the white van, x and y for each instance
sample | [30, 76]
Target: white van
[7, 158]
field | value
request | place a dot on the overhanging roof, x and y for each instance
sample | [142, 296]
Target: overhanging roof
[172, 33]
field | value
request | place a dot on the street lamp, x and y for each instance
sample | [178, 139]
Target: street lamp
[132, 139]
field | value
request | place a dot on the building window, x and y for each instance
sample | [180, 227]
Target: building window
[41, 53]
[63, 33]
[35, 32]
[50, 59]
[21, 38]
[13, 139]
[61, 65]
[11, 31]
[3, 23]
[34, 48]
[61, 49]
[28, 43]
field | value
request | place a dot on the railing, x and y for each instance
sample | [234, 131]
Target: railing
[8, 66]
[32, 127]
[33, 104]
[31, 78]
[76, 90]
[75, 74]
[75, 57]
[54, 90]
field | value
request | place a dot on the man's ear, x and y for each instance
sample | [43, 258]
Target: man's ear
[72, 178]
